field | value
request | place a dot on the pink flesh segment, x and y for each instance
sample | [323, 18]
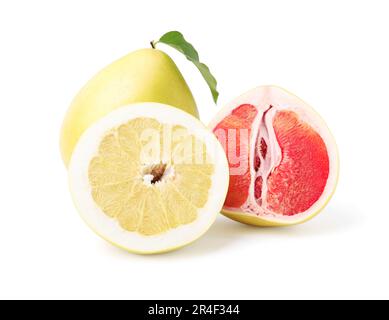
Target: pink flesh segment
[290, 165]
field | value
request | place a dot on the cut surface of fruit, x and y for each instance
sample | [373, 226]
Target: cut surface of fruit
[283, 160]
[148, 178]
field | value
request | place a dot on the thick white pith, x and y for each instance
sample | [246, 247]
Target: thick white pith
[262, 129]
[268, 100]
[109, 228]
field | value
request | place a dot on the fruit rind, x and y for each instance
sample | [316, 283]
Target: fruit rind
[106, 227]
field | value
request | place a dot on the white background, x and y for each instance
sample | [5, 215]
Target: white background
[333, 54]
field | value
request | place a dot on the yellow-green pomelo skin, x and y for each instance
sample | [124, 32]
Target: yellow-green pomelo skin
[145, 75]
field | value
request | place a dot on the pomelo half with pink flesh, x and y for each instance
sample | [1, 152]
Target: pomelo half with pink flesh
[283, 159]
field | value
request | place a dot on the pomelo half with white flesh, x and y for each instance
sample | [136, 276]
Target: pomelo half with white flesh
[283, 159]
[148, 178]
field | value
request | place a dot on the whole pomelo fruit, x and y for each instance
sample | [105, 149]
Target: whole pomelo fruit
[283, 159]
[146, 75]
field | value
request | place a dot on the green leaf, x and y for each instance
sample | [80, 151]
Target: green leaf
[177, 41]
